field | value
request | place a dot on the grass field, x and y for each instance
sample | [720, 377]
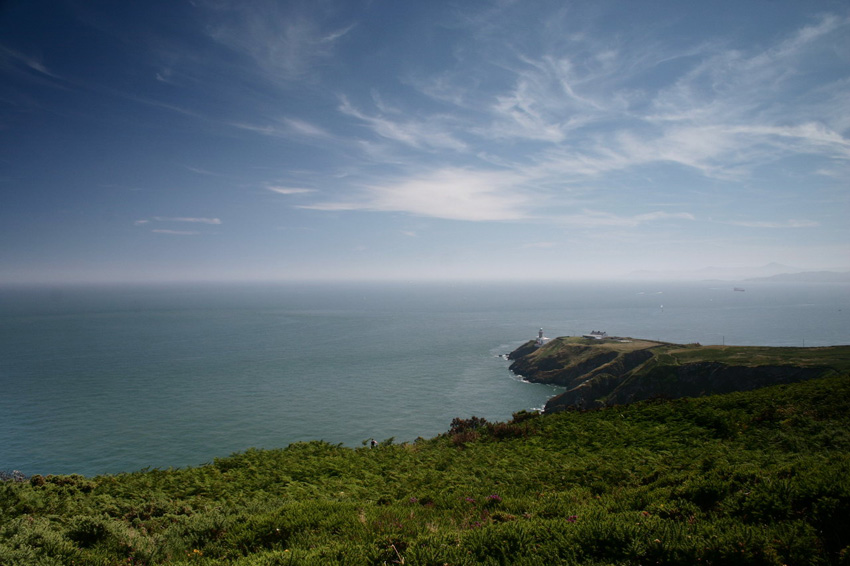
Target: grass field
[569, 348]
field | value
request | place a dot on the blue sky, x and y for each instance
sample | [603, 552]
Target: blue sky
[259, 140]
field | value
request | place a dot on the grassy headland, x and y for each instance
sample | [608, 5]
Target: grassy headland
[758, 477]
[615, 370]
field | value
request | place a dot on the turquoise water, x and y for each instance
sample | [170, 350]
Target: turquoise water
[109, 379]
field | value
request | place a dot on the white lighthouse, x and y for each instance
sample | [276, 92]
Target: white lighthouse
[540, 338]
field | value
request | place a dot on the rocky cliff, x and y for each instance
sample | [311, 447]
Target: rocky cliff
[622, 370]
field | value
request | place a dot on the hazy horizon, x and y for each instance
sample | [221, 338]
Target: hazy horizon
[707, 275]
[271, 141]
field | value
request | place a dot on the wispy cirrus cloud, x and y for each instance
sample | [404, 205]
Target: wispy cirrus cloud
[305, 128]
[283, 128]
[284, 42]
[177, 219]
[187, 219]
[289, 190]
[567, 115]
[570, 117]
[756, 105]
[724, 112]
[432, 133]
[571, 120]
[10, 58]
[545, 103]
[201, 171]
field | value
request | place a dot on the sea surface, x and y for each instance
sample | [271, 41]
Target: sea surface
[110, 379]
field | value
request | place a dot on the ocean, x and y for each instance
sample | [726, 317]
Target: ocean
[110, 379]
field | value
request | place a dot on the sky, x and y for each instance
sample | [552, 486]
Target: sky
[219, 140]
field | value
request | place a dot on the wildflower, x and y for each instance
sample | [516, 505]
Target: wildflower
[572, 518]
[470, 500]
[495, 498]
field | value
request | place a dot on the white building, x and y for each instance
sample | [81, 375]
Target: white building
[541, 339]
[596, 335]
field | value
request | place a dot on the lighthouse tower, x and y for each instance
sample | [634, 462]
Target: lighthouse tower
[541, 339]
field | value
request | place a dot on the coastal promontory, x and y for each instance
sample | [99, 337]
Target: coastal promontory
[605, 371]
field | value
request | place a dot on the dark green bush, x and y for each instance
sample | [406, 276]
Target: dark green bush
[87, 531]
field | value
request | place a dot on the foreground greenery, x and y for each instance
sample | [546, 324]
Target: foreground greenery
[761, 477]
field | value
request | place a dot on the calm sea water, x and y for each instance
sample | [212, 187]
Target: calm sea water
[109, 379]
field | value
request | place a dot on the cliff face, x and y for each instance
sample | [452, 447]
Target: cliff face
[617, 371]
[582, 361]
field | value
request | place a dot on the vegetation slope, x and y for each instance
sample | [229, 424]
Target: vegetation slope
[759, 477]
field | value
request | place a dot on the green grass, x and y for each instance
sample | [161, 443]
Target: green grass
[563, 350]
[836, 357]
[761, 477]
[558, 347]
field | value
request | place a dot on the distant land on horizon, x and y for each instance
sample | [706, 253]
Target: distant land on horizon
[768, 272]
[808, 277]
[772, 272]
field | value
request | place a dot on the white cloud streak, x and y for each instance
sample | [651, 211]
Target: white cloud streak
[9, 57]
[289, 190]
[305, 128]
[454, 194]
[186, 219]
[283, 128]
[179, 219]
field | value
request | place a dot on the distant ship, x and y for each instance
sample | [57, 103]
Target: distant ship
[739, 289]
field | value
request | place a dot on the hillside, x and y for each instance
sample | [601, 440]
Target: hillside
[748, 478]
[623, 370]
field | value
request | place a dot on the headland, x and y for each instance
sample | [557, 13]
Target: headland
[612, 370]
